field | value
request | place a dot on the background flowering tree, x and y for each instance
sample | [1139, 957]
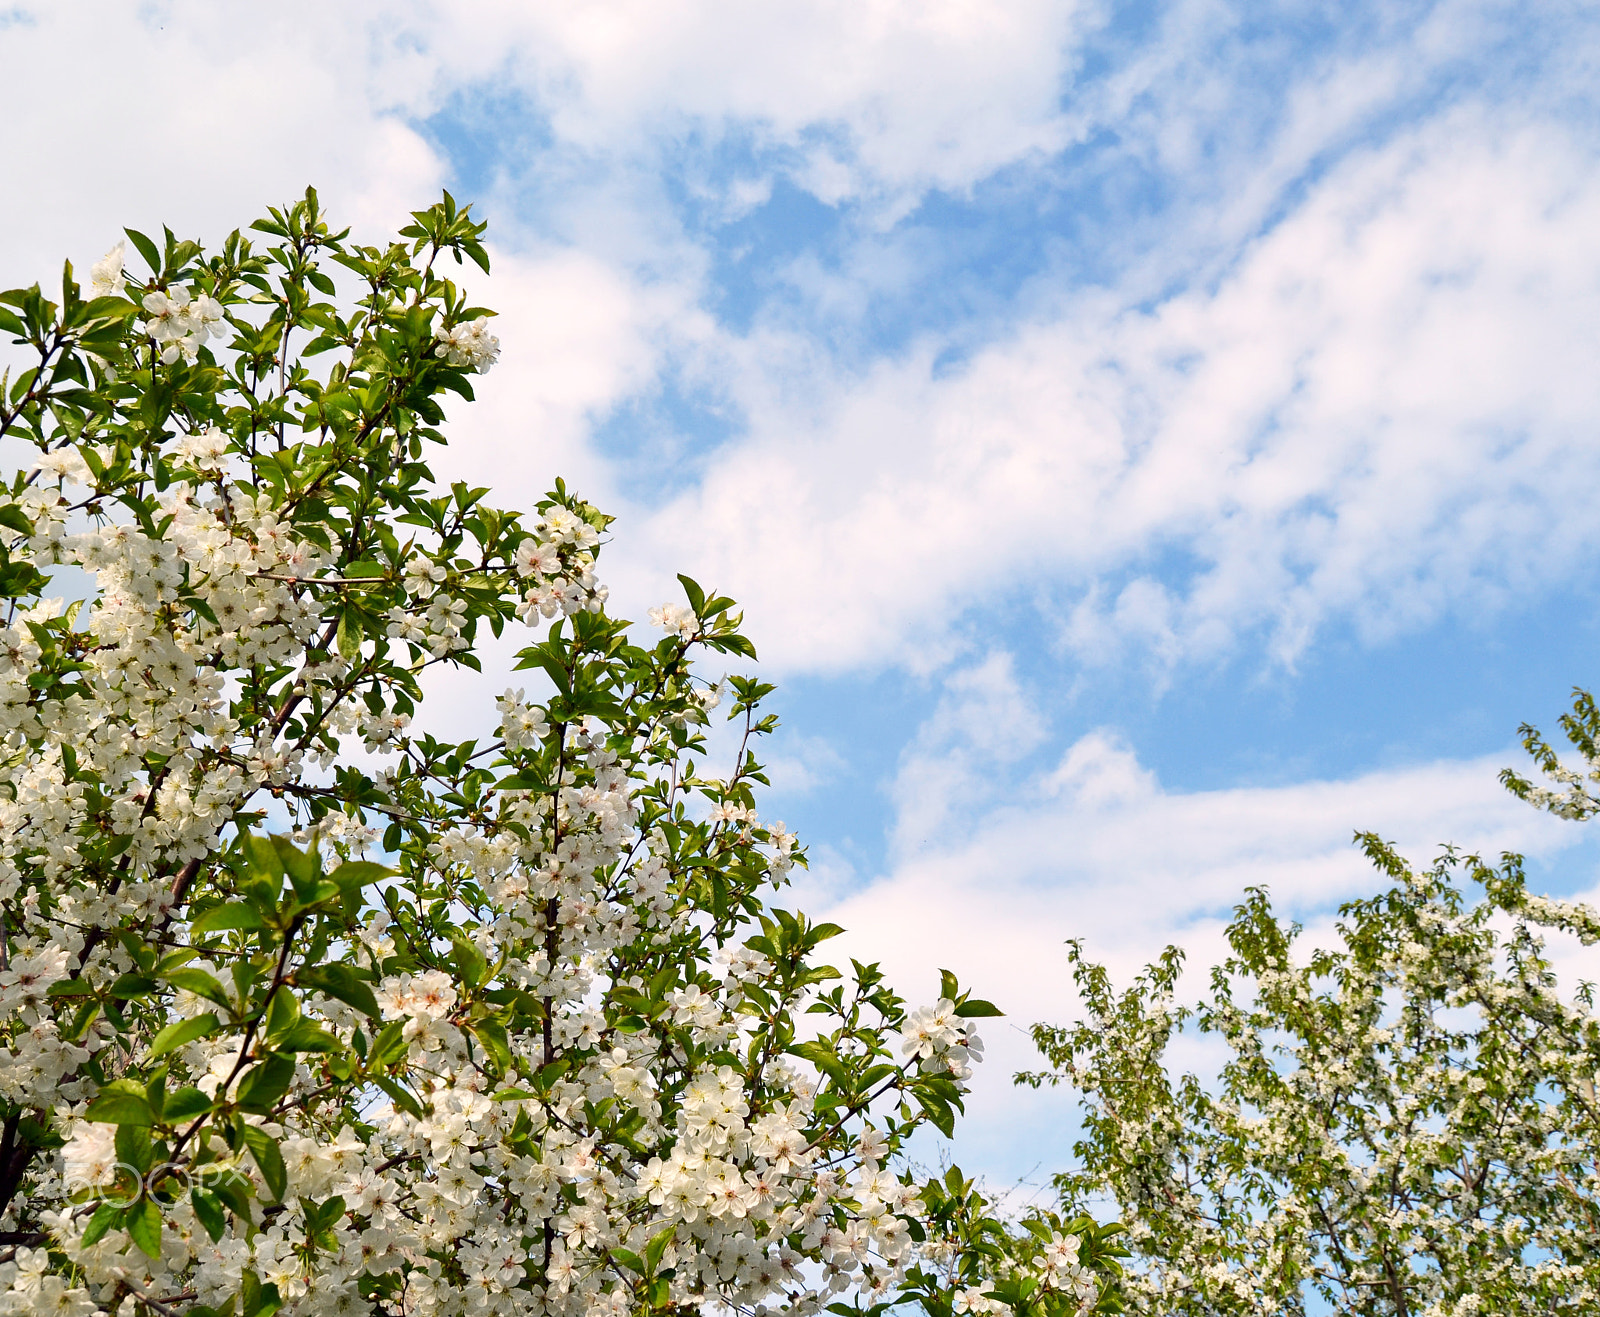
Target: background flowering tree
[1405, 1125]
[303, 1010]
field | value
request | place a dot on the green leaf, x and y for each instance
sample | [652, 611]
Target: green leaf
[269, 1158]
[494, 1040]
[233, 915]
[235, 1190]
[632, 1261]
[105, 1216]
[264, 1083]
[390, 1044]
[402, 1099]
[331, 1210]
[697, 596]
[200, 983]
[145, 248]
[121, 1102]
[734, 644]
[360, 873]
[304, 867]
[107, 308]
[282, 1015]
[130, 986]
[259, 1300]
[144, 1227]
[187, 1103]
[825, 1059]
[208, 1211]
[548, 1074]
[658, 1246]
[264, 860]
[468, 958]
[342, 982]
[179, 1032]
[349, 634]
[134, 1147]
[973, 1009]
[37, 1135]
[939, 1112]
[313, 894]
[306, 1037]
[155, 1091]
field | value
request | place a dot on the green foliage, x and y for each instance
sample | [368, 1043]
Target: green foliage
[567, 986]
[1405, 1124]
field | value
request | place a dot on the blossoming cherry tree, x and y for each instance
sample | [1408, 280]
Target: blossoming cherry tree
[305, 1007]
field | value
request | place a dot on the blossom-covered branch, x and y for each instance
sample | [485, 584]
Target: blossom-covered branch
[307, 1008]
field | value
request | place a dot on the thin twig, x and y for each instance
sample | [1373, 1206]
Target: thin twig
[163, 1306]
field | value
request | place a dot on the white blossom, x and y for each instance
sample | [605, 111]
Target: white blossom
[480, 1027]
[106, 278]
[470, 345]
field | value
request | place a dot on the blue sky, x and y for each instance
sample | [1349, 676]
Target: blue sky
[1152, 441]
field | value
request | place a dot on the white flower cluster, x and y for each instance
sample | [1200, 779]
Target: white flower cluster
[106, 278]
[181, 323]
[676, 619]
[783, 843]
[89, 1157]
[941, 1041]
[1063, 1269]
[64, 463]
[1412, 1115]
[28, 1287]
[469, 344]
[38, 1058]
[739, 1180]
[543, 1061]
[24, 983]
[1056, 1266]
[152, 688]
[556, 562]
[521, 724]
[204, 449]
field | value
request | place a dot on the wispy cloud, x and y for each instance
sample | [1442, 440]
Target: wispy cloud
[1380, 413]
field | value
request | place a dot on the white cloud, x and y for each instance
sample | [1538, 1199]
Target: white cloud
[1383, 411]
[193, 115]
[877, 97]
[797, 764]
[983, 724]
[1381, 395]
[1092, 846]
[238, 108]
[189, 102]
[577, 334]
